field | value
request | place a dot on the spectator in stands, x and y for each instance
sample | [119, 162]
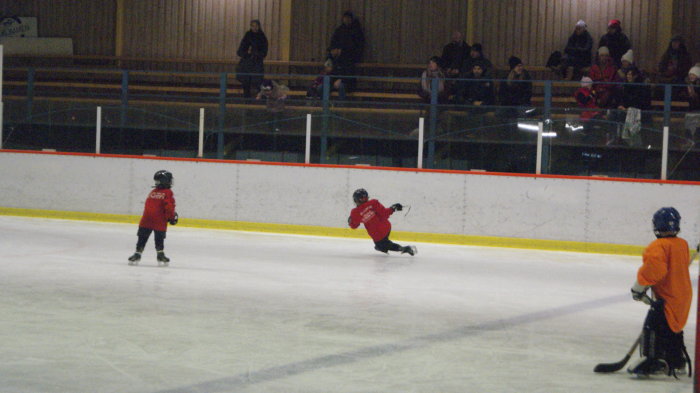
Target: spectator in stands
[433, 71]
[516, 91]
[274, 93]
[635, 101]
[692, 118]
[603, 72]
[675, 62]
[252, 51]
[478, 90]
[342, 72]
[626, 64]
[349, 38]
[577, 54]
[476, 55]
[693, 88]
[454, 54]
[586, 99]
[316, 88]
[636, 95]
[616, 42]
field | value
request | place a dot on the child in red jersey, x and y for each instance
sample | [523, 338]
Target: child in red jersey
[376, 219]
[157, 213]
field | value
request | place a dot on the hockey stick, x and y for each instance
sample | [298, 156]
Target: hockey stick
[407, 211]
[612, 367]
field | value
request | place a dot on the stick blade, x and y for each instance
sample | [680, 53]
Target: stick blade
[611, 367]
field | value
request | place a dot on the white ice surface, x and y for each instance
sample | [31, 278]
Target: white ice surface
[248, 312]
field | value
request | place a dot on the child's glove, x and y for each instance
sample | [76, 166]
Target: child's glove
[396, 207]
[174, 220]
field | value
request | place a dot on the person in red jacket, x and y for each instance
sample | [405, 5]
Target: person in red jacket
[665, 271]
[376, 219]
[157, 213]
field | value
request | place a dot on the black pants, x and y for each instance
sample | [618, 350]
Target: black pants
[145, 233]
[385, 245]
[659, 341]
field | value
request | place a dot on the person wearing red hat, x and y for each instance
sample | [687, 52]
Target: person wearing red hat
[616, 41]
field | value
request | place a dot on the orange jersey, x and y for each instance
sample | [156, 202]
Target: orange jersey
[665, 269]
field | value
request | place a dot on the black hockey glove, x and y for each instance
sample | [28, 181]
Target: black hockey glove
[396, 207]
[349, 220]
[173, 221]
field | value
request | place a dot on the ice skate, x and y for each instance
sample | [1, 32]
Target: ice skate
[410, 250]
[647, 367]
[162, 259]
[134, 259]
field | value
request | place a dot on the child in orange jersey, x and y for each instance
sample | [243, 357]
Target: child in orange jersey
[665, 270]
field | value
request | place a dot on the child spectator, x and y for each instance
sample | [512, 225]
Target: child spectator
[375, 217]
[316, 88]
[616, 41]
[586, 98]
[426, 81]
[604, 71]
[577, 54]
[158, 211]
[626, 64]
[274, 93]
[517, 90]
[675, 62]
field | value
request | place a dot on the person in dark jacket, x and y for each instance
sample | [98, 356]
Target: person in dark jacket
[675, 62]
[479, 90]
[577, 52]
[476, 55]
[517, 90]
[616, 42]
[454, 54]
[252, 51]
[637, 95]
[349, 38]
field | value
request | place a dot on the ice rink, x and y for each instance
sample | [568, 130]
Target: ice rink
[250, 312]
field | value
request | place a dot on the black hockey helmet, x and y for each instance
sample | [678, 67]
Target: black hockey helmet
[163, 179]
[666, 222]
[360, 196]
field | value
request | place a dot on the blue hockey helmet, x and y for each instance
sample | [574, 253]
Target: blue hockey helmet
[666, 222]
[360, 196]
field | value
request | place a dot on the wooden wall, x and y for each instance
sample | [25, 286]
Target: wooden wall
[89, 23]
[197, 29]
[533, 29]
[397, 31]
[686, 16]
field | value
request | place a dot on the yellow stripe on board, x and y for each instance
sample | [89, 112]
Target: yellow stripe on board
[465, 240]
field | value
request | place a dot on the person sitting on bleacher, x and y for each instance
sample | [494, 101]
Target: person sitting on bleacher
[577, 54]
[517, 90]
[478, 90]
[433, 71]
[635, 100]
[675, 62]
[342, 72]
[692, 118]
[603, 72]
[626, 64]
[316, 88]
[275, 95]
[586, 99]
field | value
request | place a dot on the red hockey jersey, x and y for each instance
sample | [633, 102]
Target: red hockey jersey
[375, 217]
[159, 208]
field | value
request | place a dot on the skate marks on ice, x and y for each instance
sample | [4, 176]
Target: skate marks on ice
[242, 380]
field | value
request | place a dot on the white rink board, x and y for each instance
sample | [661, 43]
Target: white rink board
[588, 210]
